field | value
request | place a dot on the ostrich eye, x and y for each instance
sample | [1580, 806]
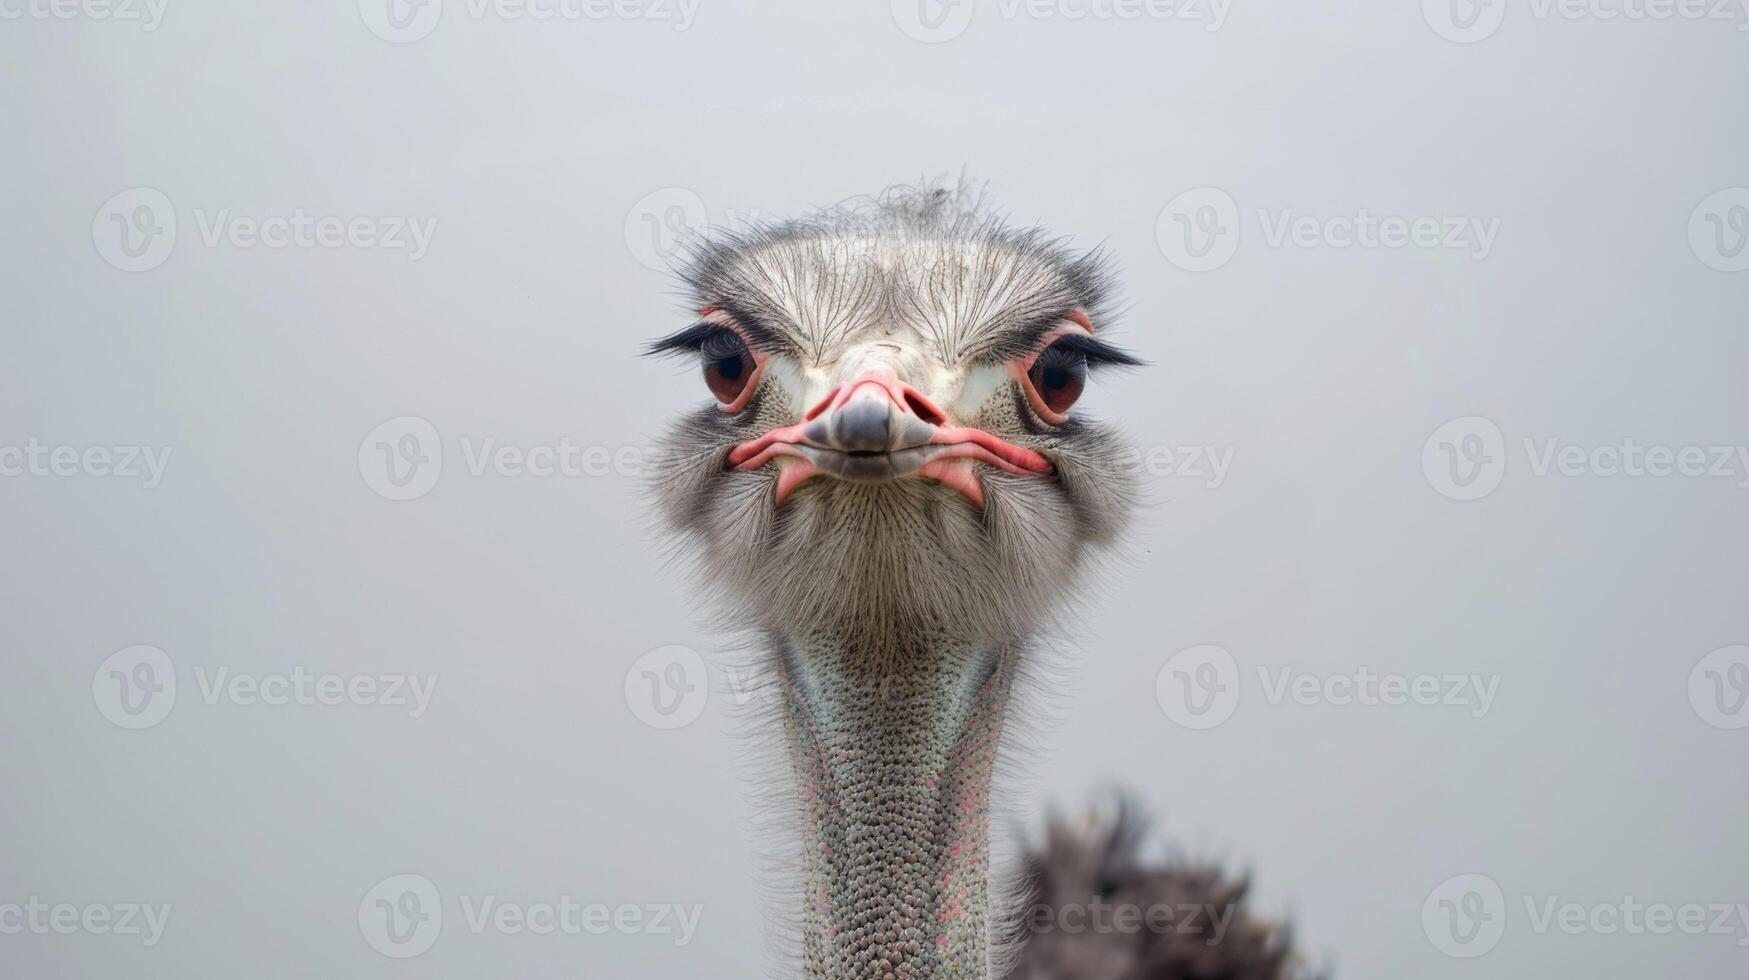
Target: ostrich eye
[728, 366]
[1058, 375]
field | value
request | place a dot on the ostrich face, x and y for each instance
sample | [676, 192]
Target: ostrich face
[893, 438]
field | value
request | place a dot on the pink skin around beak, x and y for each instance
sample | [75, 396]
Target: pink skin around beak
[876, 428]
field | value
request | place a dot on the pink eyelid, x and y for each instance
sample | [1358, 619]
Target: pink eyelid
[1020, 369]
[716, 316]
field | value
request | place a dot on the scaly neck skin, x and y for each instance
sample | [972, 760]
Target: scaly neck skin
[893, 752]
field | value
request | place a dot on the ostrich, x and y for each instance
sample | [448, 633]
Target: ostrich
[889, 497]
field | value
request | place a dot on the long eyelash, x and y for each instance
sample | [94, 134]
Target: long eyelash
[693, 339]
[758, 334]
[1020, 341]
[1097, 353]
[714, 338]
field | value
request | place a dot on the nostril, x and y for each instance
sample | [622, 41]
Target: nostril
[921, 408]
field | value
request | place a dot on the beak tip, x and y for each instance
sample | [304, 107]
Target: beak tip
[861, 425]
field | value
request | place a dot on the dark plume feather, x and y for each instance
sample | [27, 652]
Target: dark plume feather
[1099, 912]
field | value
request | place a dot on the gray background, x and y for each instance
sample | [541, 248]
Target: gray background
[535, 143]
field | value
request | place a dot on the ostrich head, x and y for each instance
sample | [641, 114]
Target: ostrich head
[893, 488]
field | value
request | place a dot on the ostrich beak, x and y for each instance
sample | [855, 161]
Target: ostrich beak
[875, 429]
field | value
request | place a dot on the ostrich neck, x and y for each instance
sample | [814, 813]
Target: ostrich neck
[893, 750]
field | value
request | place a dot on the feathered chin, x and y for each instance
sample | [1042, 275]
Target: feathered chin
[903, 552]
